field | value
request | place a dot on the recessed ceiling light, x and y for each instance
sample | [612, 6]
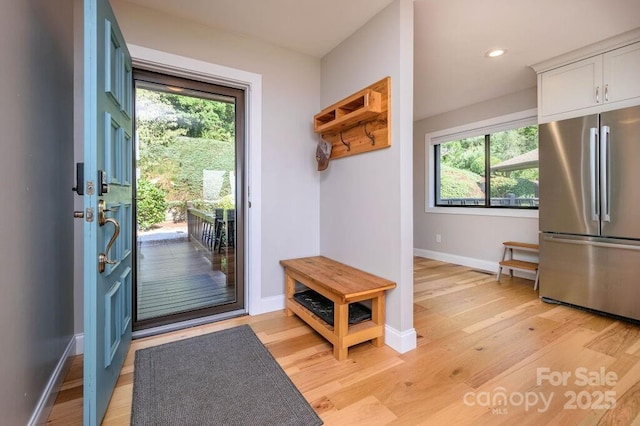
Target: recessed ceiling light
[494, 53]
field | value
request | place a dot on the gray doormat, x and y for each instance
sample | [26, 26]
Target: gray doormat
[222, 378]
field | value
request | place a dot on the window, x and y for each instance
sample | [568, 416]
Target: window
[495, 167]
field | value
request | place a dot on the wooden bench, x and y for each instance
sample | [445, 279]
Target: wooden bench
[516, 264]
[343, 285]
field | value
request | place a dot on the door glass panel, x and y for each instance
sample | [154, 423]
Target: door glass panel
[186, 168]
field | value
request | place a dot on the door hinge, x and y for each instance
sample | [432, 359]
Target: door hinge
[90, 187]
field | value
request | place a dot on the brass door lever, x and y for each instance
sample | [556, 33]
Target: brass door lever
[103, 258]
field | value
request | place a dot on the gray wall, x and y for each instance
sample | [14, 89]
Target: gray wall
[470, 237]
[366, 199]
[36, 171]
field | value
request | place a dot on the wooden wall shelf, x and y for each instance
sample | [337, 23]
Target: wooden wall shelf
[358, 123]
[349, 112]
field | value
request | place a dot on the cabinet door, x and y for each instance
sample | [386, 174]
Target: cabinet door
[572, 87]
[622, 74]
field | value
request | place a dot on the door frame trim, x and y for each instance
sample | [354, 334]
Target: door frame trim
[181, 66]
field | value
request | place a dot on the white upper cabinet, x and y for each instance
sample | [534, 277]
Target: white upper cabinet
[598, 83]
[622, 74]
[570, 88]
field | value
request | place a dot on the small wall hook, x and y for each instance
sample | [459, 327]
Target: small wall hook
[369, 135]
[348, 145]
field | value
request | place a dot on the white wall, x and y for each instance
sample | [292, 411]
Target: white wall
[466, 239]
[366, 199]
[291, 96]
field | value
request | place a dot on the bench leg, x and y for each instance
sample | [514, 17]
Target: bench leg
[377, 316]
[290, 287]
[340, 353]
[341, 328]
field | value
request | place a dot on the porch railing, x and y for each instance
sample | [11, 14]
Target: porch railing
[506, 202]
[201, 227]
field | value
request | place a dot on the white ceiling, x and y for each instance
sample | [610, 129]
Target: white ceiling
[313, 27]
[451, 36]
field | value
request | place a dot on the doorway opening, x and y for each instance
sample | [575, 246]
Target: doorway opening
[189, 196]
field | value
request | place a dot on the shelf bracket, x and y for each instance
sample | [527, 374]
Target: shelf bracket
[371, 136]
[348, 145]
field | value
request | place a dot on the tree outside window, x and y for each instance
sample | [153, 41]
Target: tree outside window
[498, 169]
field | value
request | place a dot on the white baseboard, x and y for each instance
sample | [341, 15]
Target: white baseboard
[79, 343]
[48, 397]
[268, 304]
[483, 265]
[400, 341]
[470, 262]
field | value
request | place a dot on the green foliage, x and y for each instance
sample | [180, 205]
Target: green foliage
[468, 153]
[167, 115]
[462, 164]
[181, 136]
[502, 186]
[226, 202]
[511, 143]
[456, 183]
[205, 206]
[178, 210]
[464, 154]
[477, 166]
[528, 174]
[189, 157]
[151, 204]
[156, 120]
[204, 118]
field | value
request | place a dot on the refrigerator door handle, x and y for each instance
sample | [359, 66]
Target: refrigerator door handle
[579, 242]
[604, 173]
[593, 141]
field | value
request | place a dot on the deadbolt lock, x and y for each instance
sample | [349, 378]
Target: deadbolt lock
[79, 214]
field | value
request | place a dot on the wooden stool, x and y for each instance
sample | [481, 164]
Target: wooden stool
[518, 265]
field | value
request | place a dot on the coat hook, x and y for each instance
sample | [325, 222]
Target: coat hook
[369, 135]
[348, 145]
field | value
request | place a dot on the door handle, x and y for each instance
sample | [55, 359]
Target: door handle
[604, 173]
[103, 258]
[593, 141]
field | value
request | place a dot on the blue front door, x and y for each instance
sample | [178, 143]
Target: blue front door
[108, 224]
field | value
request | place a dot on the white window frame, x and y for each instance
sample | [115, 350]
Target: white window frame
[497, 124]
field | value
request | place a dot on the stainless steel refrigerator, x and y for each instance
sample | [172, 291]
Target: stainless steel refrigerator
[590, 212]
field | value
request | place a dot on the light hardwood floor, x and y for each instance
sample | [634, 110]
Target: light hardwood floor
[478, 341]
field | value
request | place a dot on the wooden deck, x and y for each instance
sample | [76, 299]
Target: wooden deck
[174, 277]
